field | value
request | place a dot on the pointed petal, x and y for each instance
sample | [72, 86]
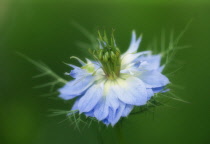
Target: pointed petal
[130, 57]
[101, 110]
[110, 97]
[108, 104]
[127, 110]
[153, 79]
[106, 122]
[76, 87]
[75, 106]
[152, 62]
[114, 117]
[160, 89]
[134, 43]
[160, 69]
[77, 72]
[90, 99]
[90, 113]
[150, 93]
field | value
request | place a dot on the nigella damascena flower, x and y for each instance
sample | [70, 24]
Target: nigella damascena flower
[108, 87]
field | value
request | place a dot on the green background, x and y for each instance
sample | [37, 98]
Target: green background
[42, 30]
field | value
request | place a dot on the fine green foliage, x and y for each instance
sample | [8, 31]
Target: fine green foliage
[45, 71]
[75, 118]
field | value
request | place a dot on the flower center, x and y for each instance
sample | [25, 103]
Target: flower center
[108, 55]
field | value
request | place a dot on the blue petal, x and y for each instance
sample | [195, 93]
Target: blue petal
[153, 79]
[160, 69]
[137, 64]
[150, 93]
[110, 97]
[128, 58]
[111, 115]
[89, 100]
[153, 62]
[134, 43]
[127, 110]
[131, 91]
[90, 113]
[101, 110]
[109, 102]
[159, 89]
[114, 117]
[77, 72]
[75, 106]
[76, 87]
[106, 122]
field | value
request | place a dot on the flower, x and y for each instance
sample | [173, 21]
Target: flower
[109, 87]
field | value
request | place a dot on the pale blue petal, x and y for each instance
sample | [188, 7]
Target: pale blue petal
[137, 64]
[115, 106]
[89, 100]
[153, 79]
[108, 104]
[150, 93]
[160, 89]
[90, 113]
[77, 72]
[127, 110]
[106, 122]
[128, 58]
[134, 43]
[110, 97]
[101, 110]
[76, 87]
[114, 117]
[160, 69]
[111, 115]
[131, 91]
[152, 62]
[75, 106]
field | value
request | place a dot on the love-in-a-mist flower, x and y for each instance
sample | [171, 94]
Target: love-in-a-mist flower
[109, 86]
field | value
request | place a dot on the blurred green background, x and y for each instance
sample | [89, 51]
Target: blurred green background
[42, 30]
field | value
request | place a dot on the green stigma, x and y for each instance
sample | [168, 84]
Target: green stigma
[108, 55]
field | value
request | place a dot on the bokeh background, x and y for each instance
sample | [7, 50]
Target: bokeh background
[43, 30]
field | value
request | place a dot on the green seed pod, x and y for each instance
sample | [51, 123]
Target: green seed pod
[113, 56]
[107, 55]
[100, 54]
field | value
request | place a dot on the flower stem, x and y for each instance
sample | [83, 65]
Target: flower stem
[99, 135]
[119, 132]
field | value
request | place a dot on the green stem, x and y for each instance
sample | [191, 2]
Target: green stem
[119, 132]
[99, 136]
